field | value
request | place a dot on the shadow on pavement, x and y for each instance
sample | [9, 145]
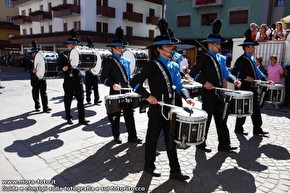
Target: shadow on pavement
[111, 162]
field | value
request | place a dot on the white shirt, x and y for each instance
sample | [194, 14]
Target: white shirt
[183, 64]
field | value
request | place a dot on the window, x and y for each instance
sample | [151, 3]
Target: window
[208, 19]
[99, 27]
[151, 12]
[129, 31]
[8, 3]
[239, 17]
[9, 19]
[102, 27]
[77, 25]
[50, 28]
[183, 21]
[129, 7]
[23, 12]
[49, 7]
[279, 3]
[64, 1]
[151, 33]
[41, 8]
[42, 29]
[31, 31]
[105, 28]
[65, 27]
[105, 3]
[24, 32]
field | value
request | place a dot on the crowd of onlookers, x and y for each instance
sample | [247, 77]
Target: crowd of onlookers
[264, 33]
[12, 59]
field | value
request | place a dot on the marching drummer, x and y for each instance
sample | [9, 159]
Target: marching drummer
[211, 71]
[162, 73]
[38, 84]
[91, 80]
[72, 83]
[116, 75]
[245, 68]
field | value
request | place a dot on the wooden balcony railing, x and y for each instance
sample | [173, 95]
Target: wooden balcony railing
[106, 11]
[63, 10]
[21, 19]
[152, 20]
[133, 16]
[40, 15]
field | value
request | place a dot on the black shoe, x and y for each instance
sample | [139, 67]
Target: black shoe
[37, 108]
[227, 148]
[1, 87]
[84, 122]
[89, 102]
[241, 132]
[118, 140]
[152, 171]
[207, 150]
[97, 102]
[261, 132]
[179, 177]
[69, 121]
[47, 110]
[135, 140]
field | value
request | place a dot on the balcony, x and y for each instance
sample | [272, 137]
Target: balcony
[23, 2]
[21, 19]
[64, 10]
[155, 1]
[133, 16]
[206, 3]
[106, 11]
[40, 15]
[152, 20]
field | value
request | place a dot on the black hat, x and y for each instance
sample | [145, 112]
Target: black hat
[73, 39]
[119, 38]
[171, 35]
[215, 37]
[248, 40]
[34, 47]
[90, 43]
[163, 38]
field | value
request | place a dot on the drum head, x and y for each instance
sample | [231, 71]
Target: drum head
[98, 66]
[190, 114]
[115, 96]
[74, 58]
[39, 65]
[131, 56]
[240, 94]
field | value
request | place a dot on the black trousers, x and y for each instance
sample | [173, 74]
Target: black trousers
[114, 119]
[287, 93]
[157, 123]
[256, 116]
[91, 81]
[73, 88]
[39, 87]
[214, 106]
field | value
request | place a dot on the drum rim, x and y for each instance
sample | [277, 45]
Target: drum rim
[40, 56]
[115, 96]
[191, 119]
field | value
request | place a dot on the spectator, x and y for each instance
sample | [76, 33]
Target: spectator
[259, 61]
[279, 33]
[184, 64]
[262, 33]
[274, 70]
[254, 28]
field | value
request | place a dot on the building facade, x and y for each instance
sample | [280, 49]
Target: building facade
[192, 19]
[49, 21]
[7, 29]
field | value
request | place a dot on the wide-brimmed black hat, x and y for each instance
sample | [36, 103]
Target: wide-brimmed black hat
[34, 47]
[249, 41]
[163, 38]
[119, 38]
[215, 37]
[73, 39]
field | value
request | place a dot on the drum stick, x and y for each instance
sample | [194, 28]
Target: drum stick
[126, 89]
[168, 105]
[260, 82]
[227, 90]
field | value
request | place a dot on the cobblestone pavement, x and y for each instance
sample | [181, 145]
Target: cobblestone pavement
[40, 153]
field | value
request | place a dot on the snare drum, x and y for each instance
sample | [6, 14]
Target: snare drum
[133, 99]
[189, 125]
[138, 59]
[240, 103]
[194, 89]
[101, 54]
[82, 57]
[115, 103]
[275, 93]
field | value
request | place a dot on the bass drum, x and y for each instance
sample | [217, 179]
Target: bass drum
[138, 59]
[39, 65]
[101, 54]
[82, 58]
[50, 59]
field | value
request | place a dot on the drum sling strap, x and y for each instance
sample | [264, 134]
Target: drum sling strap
[122, 70]
[168, 84]
[218, 71]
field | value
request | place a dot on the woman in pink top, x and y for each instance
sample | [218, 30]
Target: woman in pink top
[274, 70]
